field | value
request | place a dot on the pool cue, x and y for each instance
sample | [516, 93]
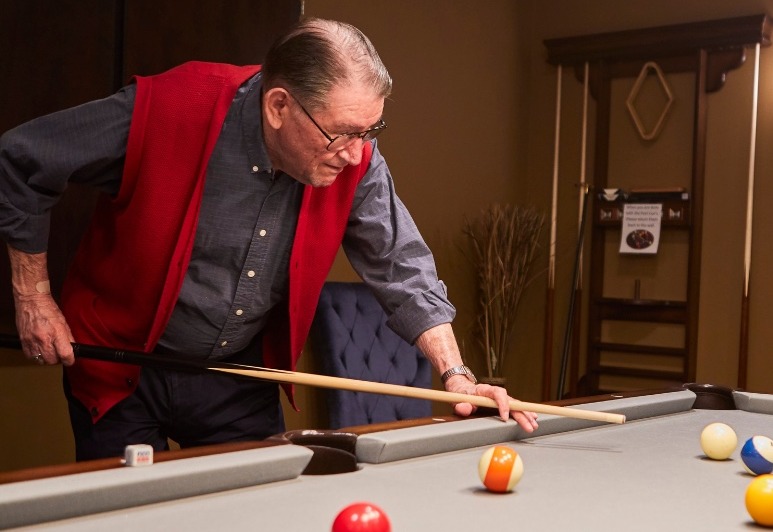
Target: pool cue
[107, 354]
[576, 288]
[547, 357]
[743, 349]
[574, 366]
[574, 294]
[353, 385]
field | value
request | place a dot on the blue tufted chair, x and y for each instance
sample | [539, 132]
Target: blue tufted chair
[350, 335]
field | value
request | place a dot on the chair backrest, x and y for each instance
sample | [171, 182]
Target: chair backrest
[351, 337]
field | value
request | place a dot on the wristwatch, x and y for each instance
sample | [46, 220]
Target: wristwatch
[458, 370]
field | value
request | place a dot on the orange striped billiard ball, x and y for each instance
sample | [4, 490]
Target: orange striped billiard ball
[500, 468]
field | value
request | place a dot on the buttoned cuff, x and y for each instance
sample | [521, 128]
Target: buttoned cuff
[23, 231]
[422, 312]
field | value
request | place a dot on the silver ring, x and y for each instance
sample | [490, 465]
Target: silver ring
[38, 358]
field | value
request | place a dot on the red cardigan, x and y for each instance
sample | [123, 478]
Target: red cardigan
[130, 266]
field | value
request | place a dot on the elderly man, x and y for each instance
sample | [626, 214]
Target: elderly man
[227, 192]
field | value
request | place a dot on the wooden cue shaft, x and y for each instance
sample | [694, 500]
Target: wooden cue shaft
[743, 348]
[576, 308]
[547, 355]
[750, 179]
[323, 381]
[554, 188]
[340, 383]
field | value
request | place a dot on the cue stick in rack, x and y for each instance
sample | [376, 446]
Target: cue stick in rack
[550, 293]
[573, 318]
[321, 381]
[574, 365]
[743, 348]
[574, 294]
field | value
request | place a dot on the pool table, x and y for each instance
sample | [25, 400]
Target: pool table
[647, 474]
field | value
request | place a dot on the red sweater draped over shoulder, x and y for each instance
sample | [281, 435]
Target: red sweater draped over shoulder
[128, 271]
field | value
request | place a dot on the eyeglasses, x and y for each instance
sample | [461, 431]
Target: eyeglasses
[345, 139]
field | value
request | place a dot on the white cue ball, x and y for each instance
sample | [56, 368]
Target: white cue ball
[718, 441]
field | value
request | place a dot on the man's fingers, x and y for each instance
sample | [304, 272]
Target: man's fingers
[63, 346]
[463, 409]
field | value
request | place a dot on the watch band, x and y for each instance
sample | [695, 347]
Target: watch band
[458, 370]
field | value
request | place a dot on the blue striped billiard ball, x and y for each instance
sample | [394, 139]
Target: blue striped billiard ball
[757, 455]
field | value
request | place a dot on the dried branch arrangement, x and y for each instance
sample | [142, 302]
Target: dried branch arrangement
[505, 239]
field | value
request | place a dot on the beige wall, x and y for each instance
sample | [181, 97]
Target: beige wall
[471, 122]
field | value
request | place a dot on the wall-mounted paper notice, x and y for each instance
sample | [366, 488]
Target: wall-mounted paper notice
[641, 228]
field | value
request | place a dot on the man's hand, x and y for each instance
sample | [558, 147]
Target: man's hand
[439, 345]
[43, 331]
[461, 384]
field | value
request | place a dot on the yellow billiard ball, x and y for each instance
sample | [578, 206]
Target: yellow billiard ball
[759, 500]
[718, 441]
[500, 468]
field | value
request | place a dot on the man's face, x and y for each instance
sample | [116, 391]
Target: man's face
[303, 147]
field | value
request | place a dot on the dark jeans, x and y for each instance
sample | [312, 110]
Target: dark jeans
[190, 408]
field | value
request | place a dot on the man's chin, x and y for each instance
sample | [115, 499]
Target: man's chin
[322, 180]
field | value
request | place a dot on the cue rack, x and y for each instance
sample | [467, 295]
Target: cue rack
[707, 51]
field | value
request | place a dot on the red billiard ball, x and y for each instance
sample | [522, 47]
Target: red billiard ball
[362, 517]
[500, 468]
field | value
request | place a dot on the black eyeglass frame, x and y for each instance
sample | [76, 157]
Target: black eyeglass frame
[365, 136]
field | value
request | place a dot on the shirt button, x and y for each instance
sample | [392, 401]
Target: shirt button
[251, 273]
[262, 232]
[224, 343]
[255, 169]
[239, 312]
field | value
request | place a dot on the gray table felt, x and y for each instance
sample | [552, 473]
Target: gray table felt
[648, 474]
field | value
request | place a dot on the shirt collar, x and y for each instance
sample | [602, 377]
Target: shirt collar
[251, 118]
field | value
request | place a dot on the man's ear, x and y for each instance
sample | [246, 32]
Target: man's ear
[276, 106]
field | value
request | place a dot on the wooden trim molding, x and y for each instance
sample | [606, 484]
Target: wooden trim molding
[651, 43]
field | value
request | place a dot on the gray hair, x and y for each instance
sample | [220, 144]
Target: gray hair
[317, 55]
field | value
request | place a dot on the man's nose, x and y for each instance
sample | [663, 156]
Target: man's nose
[352, 152]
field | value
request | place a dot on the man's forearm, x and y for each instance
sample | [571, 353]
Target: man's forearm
[29, 273]
[44, 333]
[439, 345]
